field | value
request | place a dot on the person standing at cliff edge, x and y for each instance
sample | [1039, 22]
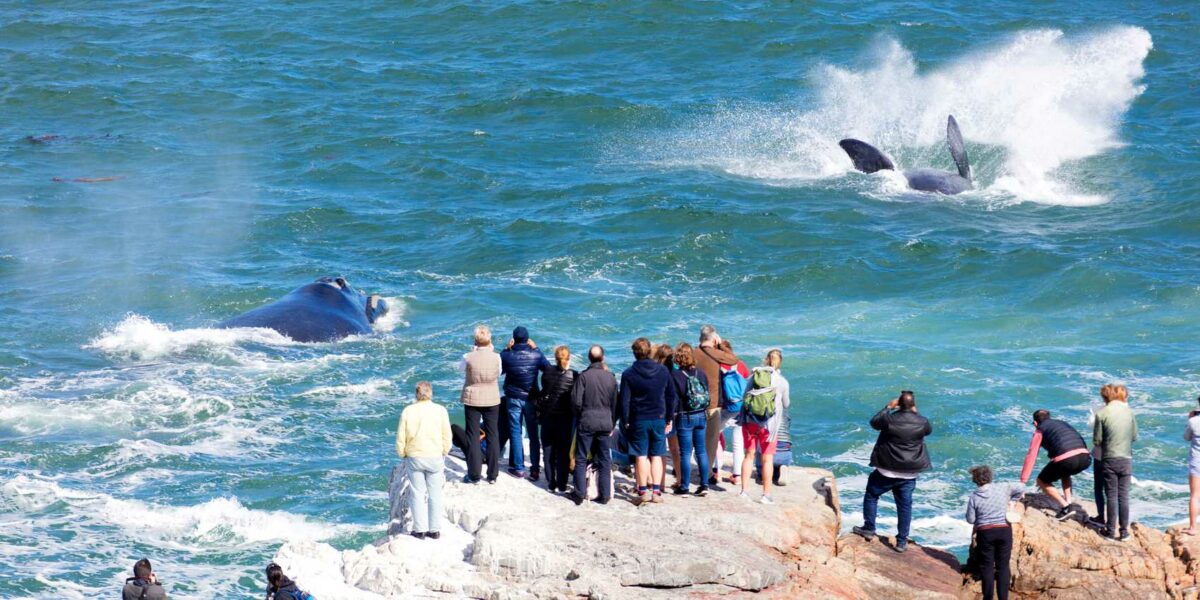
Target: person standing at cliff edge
[481, 402]
[594, 401]
[647, 398]
[1115, 433]
[709, 359]
[987, 510]
[1068, 456]
[555, 418]
[423, 438]
[521, 362]
[899, 457]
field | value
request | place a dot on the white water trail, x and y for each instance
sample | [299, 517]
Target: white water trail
[1027, 107]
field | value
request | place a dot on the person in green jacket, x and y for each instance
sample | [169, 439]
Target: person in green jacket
[1114, 434]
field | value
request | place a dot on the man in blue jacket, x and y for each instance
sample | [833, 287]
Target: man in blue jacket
[647, 399]
[520, 364]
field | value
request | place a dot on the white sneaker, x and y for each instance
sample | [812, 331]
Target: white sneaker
[766, 499]
[743, 495]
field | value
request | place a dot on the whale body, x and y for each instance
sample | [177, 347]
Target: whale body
[325, 310]
[869, 159]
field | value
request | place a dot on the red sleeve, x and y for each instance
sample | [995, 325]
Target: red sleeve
[1030, 457]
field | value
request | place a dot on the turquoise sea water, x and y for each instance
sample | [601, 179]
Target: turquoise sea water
[595, 171]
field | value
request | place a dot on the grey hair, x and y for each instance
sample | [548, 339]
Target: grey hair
[424, 392]
[708, 333]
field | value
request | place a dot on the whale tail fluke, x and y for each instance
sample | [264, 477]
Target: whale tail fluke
[957, 149]
[867, 158]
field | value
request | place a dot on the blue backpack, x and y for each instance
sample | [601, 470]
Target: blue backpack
[292, 594]
[734, 379]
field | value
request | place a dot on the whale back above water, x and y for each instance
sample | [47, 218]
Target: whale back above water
[869, 159]
[325, 310]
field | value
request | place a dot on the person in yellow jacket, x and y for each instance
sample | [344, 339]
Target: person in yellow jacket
[423, 439]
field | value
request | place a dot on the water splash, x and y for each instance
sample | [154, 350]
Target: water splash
[1027, 107]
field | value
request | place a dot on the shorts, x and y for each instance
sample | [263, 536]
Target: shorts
[648, 438]
[1064, 468]
[757, 437]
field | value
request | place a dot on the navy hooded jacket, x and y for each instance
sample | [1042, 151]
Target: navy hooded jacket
[520, 366]
[647, 393]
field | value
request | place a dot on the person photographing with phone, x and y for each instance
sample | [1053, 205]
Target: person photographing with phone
[899, 457]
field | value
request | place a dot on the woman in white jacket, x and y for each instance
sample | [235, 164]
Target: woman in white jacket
[763, 437]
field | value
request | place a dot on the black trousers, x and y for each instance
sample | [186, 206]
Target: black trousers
[599, 446]
[1118, 472]
[556, 447]
[490, 416]
[993, 548]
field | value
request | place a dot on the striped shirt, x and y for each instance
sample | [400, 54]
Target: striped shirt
[988, 504]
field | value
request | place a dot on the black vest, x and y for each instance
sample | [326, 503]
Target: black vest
[1058, 437]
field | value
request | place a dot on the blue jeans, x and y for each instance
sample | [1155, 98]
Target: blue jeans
[426, 475]
[902, 491]
[692, 427]
[518, 410]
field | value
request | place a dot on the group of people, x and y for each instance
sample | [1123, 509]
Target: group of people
[672, 403]
[144, 585]
[900, 456]
[677, 402]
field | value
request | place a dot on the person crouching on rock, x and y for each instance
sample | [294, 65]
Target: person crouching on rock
[647, 397]
[423, 438]
[899, 457]
[279, 587]
[986, 510]
[1068, 456]
[594, 401]
[144, 584]
[556, 419]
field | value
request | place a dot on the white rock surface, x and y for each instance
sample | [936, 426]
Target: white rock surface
[514, 539]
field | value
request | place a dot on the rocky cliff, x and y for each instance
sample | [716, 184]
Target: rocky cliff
[515, 540]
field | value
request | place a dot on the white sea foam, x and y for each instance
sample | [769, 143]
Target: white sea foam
[222, 521]
[138, 338]
[397, 307]
[369, 387]
[1028, 107]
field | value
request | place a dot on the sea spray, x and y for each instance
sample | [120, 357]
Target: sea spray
[1028, 106]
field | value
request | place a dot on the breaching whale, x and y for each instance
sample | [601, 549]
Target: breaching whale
[869, 159]
[327, 309]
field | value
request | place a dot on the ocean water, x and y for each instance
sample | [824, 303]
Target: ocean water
[592, 170]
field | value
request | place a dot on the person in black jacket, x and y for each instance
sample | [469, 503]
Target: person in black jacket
[520, 364]
[555, 416]
[899, 457]
[1068, 456]
[279, 587]
[594, 401]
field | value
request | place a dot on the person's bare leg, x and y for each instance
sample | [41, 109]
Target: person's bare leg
[1048, 489]
[1066, 485]
[641, 472]
[768, 469]
[656, 468]
[747, 467]
[1193, 503]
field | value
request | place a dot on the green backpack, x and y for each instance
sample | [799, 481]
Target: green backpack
[759, 404]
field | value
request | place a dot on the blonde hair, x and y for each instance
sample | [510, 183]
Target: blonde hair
[1114, 391]
[562, 355]
[483, 335]
[774, 358]
[424, 392]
